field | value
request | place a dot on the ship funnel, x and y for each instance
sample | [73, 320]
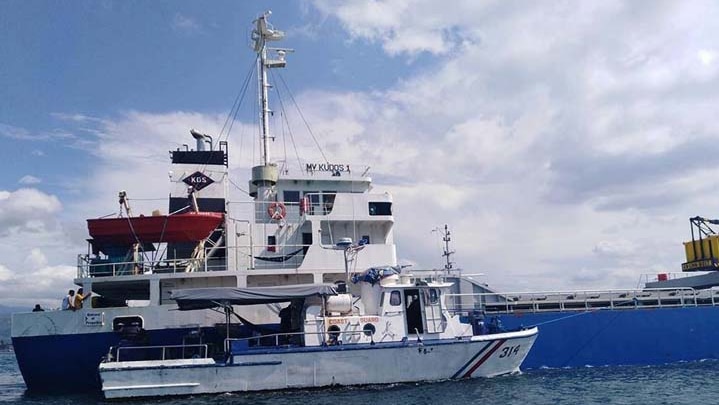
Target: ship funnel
[201, 139]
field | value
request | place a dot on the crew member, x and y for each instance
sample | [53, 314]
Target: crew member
[79, 298]
[68, 303]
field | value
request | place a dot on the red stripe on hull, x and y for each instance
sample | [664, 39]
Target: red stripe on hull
[484, 358]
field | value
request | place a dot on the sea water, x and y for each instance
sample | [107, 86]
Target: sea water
[679, 383]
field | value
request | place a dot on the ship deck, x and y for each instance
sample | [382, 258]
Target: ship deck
[552, 301]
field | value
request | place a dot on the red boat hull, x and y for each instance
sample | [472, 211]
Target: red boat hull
[189, 227]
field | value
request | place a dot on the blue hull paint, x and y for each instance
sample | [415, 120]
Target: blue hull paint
[620, 337]
[68, 363]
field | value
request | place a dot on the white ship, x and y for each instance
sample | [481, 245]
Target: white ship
[297, 220]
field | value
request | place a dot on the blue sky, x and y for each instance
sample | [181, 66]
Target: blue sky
[101, 59]
[566, 143]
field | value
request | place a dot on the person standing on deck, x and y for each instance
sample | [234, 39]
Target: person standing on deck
[79, 298]
[68, 303]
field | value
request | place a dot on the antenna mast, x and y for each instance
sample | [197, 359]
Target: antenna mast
[261, 34]
[447, 253]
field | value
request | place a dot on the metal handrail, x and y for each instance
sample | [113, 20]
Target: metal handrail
[277, 336]
[85, 269]
[164, 350]
[135, 267]
[543, 301]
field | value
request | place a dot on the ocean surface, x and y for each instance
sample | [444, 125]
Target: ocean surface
[682, 383]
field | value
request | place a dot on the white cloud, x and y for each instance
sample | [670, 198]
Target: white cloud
[36, 259]
[21, 134]
[49, 284]
[29, 180]
[556, 122]
[707, 57]
[32, 237]
[27, 210]
[5, 273]
[407, 26]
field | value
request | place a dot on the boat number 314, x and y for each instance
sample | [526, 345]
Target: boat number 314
[509, 351]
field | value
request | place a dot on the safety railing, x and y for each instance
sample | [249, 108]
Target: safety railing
[286, 338]
[246, 257]
[87, 267]
[294, 211]
[522, 302]
[171, 352]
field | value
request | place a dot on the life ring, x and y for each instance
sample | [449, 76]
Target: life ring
[277, 211]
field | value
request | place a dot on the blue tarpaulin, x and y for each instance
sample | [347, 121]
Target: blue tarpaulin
[373, 275]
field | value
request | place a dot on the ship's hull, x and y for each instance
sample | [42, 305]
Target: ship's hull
[59, 351]
[567, 339]
[605, 337]
[68, 363]
[380, 363]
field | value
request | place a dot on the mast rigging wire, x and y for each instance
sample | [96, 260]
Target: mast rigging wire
[289, 129]
[303, 117]
[232, 115]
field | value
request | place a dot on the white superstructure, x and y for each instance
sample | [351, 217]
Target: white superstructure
[299, 228]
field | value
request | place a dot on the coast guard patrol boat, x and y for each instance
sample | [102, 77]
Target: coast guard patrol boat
[397, 329]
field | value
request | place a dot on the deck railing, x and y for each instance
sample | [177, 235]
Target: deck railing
[522, 302]
[171, 352]
[105, 269]
[248, 257]
[328, 337]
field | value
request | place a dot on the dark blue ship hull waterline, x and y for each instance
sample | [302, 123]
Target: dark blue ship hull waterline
[644, 336]
[68, 363]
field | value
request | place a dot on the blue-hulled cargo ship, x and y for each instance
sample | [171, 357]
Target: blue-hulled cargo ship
[672, 318]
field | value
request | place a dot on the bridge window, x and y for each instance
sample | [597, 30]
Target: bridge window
[271, 243]
[380, 208]
[291, 196]
[395, 299]
[433, 296]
